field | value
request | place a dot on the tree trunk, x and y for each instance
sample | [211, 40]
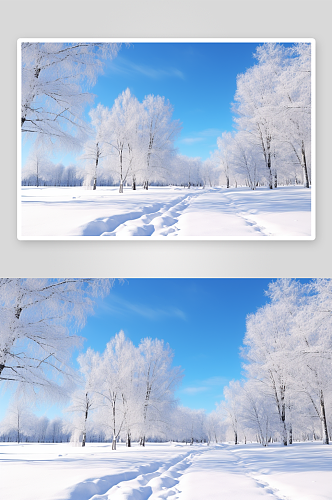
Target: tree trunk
[270, 171]
[128, 440]
[114, 443]
[142, 441]
[323, 419]
[283, 418]
[121, 187]
[96, 166]
[304, 166]
[134, 183]
[18, 428]
[84, 439]
[290, 440]
[37, 176]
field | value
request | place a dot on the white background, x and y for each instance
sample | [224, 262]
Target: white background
[166, 18]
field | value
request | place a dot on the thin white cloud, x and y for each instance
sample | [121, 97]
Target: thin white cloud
[191, 140]
[210, 132]
[119, 305]
[206, 385]
[216, 381]
[194, 390]
[203, 135]
[121, 65]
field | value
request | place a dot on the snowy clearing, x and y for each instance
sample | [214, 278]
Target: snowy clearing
[211, 213]
[302, 471]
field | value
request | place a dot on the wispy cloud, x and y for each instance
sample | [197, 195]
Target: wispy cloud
[121, 306]
[194, 390]
[210, 132]
[202, 135]
[191, 140]
[205, 385]
[121, 65]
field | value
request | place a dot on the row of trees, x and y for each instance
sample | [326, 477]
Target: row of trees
[128, 390]
[287, 392]
[131, 389]
[181, 170]
[125, 393]
[20, 424]
[137, 139]
[272, 110]
[133, 143]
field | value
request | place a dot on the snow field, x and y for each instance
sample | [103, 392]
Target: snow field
[302, 471]
[165, 212]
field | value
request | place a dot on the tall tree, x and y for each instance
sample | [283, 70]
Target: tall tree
[38, 317]
[55, 82]
[114, 385]
[160, 132]
[158, 382]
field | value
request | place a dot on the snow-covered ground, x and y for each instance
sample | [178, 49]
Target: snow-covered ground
[302, 471]
[75, 212]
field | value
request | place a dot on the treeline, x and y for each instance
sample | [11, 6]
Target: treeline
[272, 113]
[21, 425]
[182, 171]
[287, 393]
[124, 394]
[132, 143]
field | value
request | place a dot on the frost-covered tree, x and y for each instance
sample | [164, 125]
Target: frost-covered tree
[288, 352]
[272, 109]
[18, 420]
[269, 347]
[38, 167]
[55, 82]
[38, 317]
[158, 381]
[84, 399]
[122, 133]
[313, 369]
[114, 370]
[230, 407]
[160, 132]
[224, 154]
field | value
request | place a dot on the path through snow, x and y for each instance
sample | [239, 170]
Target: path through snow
[302, 471]
[211, 473]
[166, 212]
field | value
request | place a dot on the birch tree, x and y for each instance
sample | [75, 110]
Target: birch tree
[160, 132]
[269, 345]
[114, 385]
[55, 82]
[38, 318]
[84, 399]
[158, 382]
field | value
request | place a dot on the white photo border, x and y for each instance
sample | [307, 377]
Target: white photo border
[312, 41]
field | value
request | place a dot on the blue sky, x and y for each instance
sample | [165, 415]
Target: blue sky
[203, 321]
[199, 79]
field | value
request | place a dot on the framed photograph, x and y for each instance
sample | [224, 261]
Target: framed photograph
[167, 139]
[166, 388]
